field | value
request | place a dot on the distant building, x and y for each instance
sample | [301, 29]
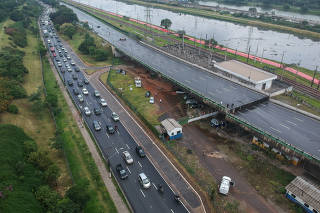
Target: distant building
[246, 74]
[253, 11]
[172, 128]
[304, 193]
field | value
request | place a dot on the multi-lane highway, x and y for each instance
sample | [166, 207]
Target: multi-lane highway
[113, 145]
[274, 119]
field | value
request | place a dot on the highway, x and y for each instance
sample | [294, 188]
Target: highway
[112, 146]
[271, 118]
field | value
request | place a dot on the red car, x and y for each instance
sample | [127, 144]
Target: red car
[54, 54]
[52, 49]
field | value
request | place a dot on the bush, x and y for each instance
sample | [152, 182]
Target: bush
[13, 109]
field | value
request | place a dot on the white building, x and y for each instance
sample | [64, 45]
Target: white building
[246, 74]
[172, 128]
[305, 194]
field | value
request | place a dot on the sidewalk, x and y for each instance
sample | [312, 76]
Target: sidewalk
[168, 171]
[105, 175]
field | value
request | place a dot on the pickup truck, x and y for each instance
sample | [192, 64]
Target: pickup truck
[121, 171]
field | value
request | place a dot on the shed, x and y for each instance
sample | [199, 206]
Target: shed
[172, 128]
[304, 193]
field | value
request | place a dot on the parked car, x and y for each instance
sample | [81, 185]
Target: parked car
[121, 171]
[225, 185]
[80, 97]
[70, 82]
[144, 181]
[151, 100]
[140, 152]
[214, 122]
[115, 116]
[110, 129]
[97, 111]
[96, 125]
[127, 157]
[75, 91]
[103, 102]
[96, 93]
[85, 91]
[87, 111]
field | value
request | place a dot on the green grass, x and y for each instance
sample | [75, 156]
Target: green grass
[4, 38]
[21, 198]
[39, 126]
[80, 160]
[136, 96]
[75, 42]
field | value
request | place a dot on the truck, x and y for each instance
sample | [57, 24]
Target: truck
[121, 171]
[137, 81]
[225, 184]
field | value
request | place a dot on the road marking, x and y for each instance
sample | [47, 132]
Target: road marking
[139, 164]
[128, 146]
[171, 210]
[118, 132]
[128, 169]
[154, 186]
[275, 129]
[142, 193]
[284, 126]
[187, 81]
[107, 135]
[298, 119]
[292, 123]
[116, 150]
[202, 78]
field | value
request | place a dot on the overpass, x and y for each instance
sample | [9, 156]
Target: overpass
[293, 130]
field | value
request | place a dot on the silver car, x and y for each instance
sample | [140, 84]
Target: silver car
[87, 111]
[144, 181]
[127, 157]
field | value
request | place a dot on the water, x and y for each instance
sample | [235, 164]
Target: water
[263, 10]
[270, 44]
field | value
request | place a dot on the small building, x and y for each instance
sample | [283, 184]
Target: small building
[137, 81]
[253, 12]
[244, 73]
[172, 128]
[304, 193]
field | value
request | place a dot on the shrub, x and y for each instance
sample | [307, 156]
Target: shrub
[13, 109]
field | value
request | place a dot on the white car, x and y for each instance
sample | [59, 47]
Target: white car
[103, 102]
[72, 63]
[80, 97]
[127, 157]
[87, 111]
[96, 93]
[225, 185]
[85, 91]
[115, 117]
[151, 101]
[144, 181]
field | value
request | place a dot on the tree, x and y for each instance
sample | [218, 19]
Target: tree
[42, 49]
[47, 197]
[63, 15]
[52, 174]
[40, 159]
[88, 42]
[166, 23]
[101, 54]
[67, 206]
[78, 193]
[68, 29]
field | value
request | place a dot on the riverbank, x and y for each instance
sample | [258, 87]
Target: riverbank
[227, 17]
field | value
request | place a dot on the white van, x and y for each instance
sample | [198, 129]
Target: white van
[144, 181]
[225, 185]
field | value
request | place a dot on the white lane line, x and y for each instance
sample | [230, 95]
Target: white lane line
[154, 186]
[116, 150]
[142, 193]
[128, 169]
[171, 210]
[298, 119]
[284, 126]
[107, 135]
[187, 81]
[292, 123]
[139, 164]
[128, 146]
[202, 78]
[275, 129]
[118, 132]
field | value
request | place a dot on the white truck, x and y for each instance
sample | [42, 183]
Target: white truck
[225, 184]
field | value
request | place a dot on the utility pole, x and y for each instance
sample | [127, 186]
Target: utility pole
[248, 55]
[148, 20]
[282, 64]
[314, 75]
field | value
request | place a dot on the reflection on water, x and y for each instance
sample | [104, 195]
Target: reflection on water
[268, 43]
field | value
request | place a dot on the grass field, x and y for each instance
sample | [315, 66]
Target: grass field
[136, 96]
[80, 160]
[39, 127]
[4, 38]
[87, 59]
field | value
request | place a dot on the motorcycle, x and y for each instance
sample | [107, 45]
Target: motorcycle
[160, 188]
[177, 199]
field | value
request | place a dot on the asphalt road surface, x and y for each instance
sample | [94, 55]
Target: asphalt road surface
[213, 87]
[291, 126]
[274, 119]
[112, 146]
